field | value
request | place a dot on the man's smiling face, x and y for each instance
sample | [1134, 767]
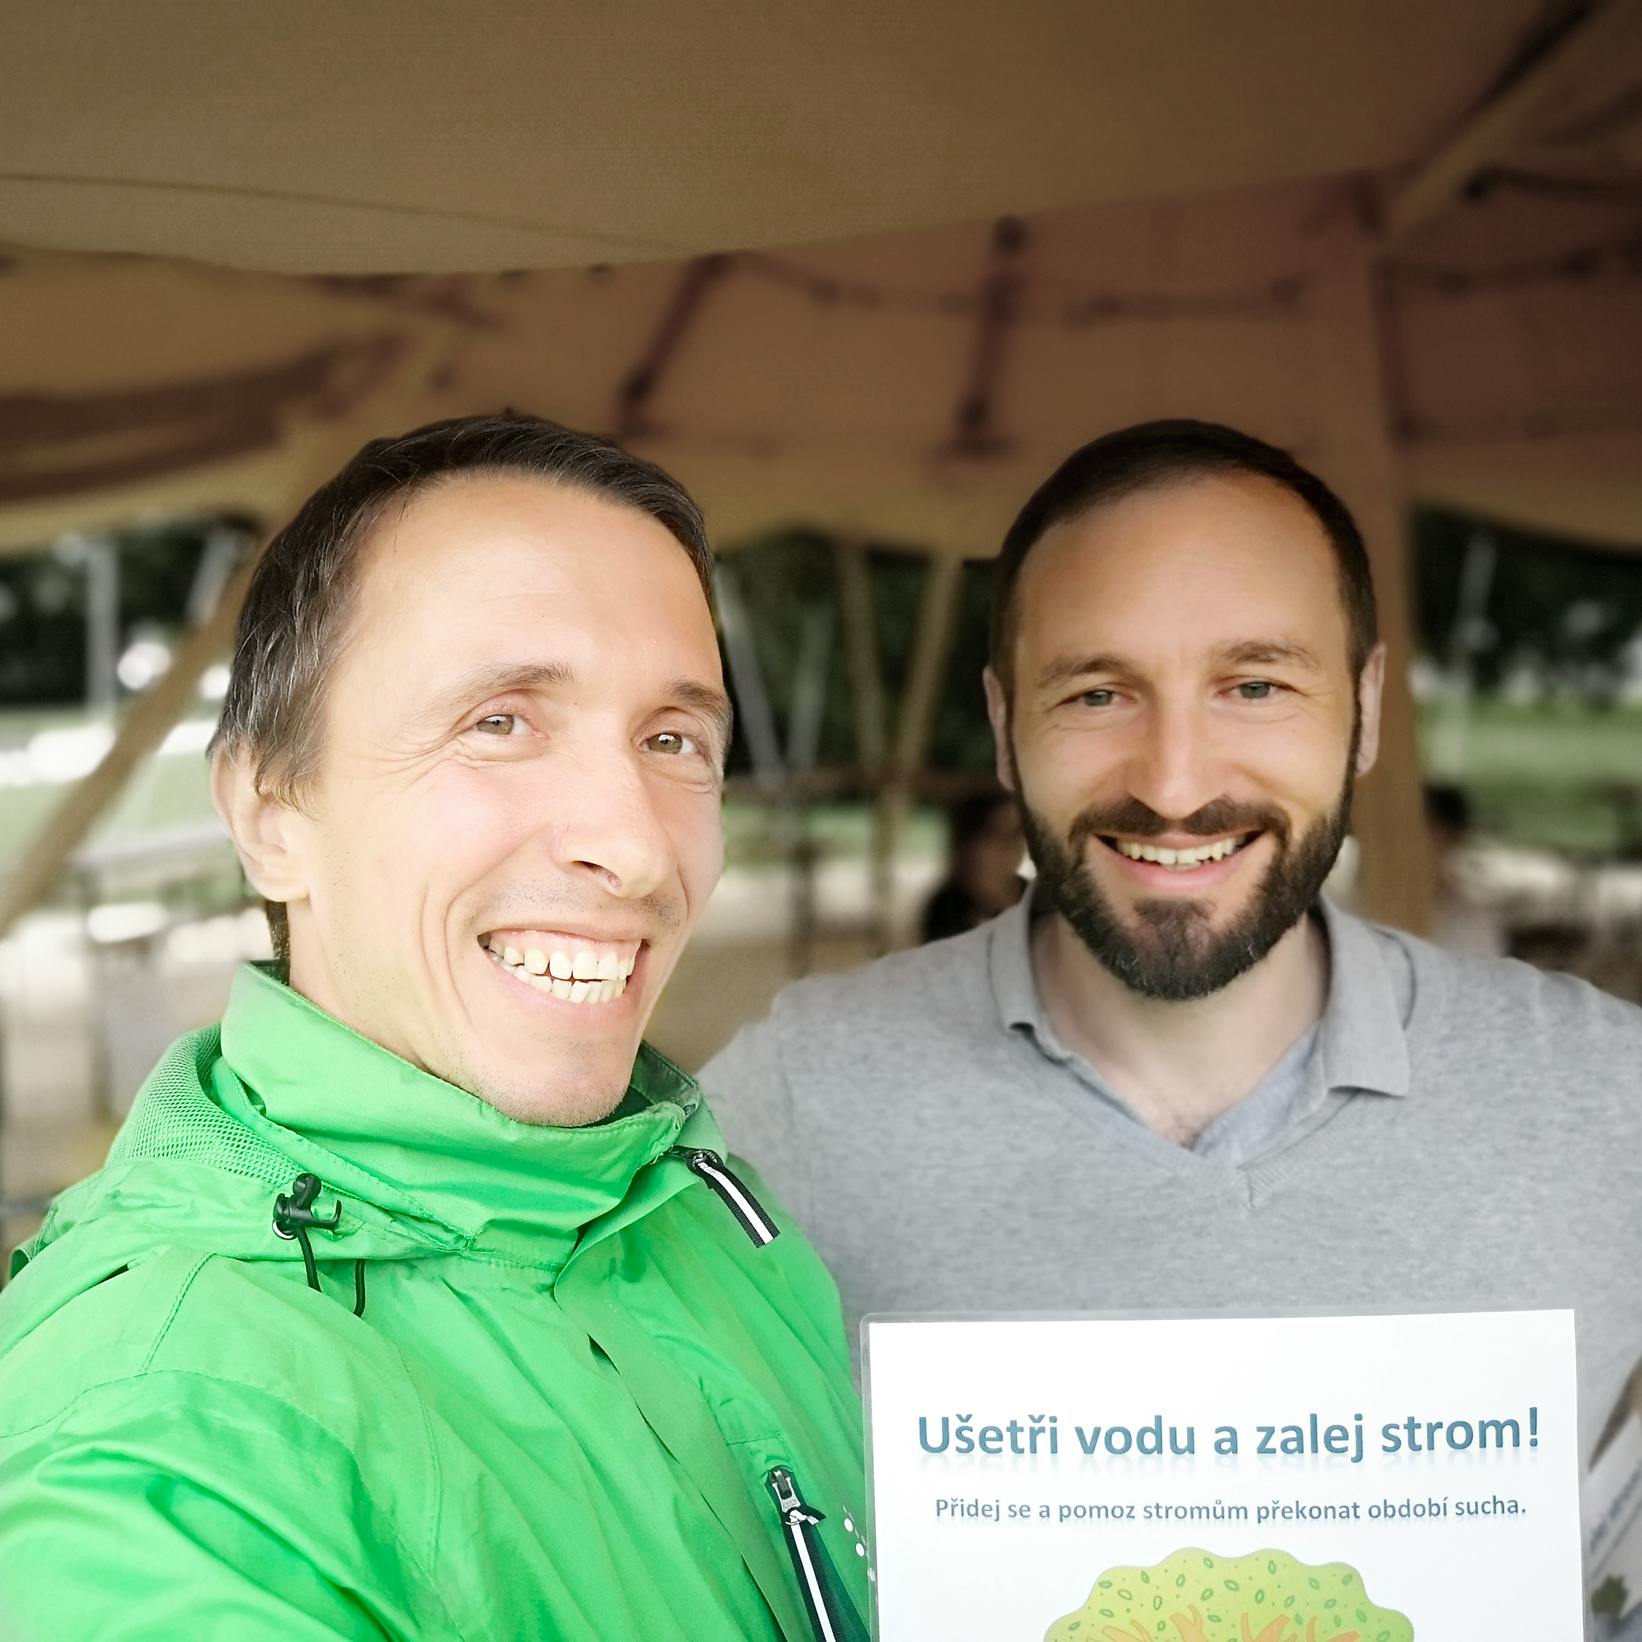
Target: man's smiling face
[515, 820]
[1184, 725]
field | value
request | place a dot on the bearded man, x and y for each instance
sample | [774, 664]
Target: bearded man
[1176, 1077]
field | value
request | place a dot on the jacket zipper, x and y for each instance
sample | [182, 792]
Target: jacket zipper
[799, 1522]
[731, 1191]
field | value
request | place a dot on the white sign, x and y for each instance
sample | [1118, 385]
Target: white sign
[1294, 1479]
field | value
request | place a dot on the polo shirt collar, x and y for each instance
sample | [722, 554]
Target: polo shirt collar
[1009, 963]
[1361, 1037]
[1364, 1042]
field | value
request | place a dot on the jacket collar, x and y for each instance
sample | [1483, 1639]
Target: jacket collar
[377, 1129]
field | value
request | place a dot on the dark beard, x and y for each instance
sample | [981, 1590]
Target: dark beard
[1173, 953]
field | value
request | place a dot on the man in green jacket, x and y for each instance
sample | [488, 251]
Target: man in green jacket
[416, 1300]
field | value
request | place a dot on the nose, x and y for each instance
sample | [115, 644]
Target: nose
[608, 827]
[1175, 768]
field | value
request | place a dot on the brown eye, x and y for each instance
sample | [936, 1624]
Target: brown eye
[671, 742]
[499, 724]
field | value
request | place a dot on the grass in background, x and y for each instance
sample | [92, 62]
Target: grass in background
[1559, 776]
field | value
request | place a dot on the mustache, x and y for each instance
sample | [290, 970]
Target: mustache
[1137, 820]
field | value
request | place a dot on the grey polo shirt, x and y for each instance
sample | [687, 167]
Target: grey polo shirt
[1358, 1044]
[1464, 1132]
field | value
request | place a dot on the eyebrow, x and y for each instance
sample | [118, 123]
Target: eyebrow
[493, 678]
[1244, 653]
[1269, 652]
[712, 704]
[1067, 668]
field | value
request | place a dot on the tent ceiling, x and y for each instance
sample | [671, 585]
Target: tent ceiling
[828, 384]
[419, 135]
[855, 383]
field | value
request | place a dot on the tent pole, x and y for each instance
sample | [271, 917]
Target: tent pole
[867, 697]
[861, 652]
[808, 708]
[678, 318]
[1595, 36]
[100, 559]
[975, 432]
[145, 726]
[772, 775]
[1354, 432]
[931, 651]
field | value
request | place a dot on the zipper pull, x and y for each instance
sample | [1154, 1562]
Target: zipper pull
[730, 1190]
[831, 1614]
[789, 1501]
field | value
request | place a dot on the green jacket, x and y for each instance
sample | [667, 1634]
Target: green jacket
[587, 1397]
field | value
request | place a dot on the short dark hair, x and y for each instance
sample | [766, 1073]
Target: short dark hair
[1154, 454]
[301, 599]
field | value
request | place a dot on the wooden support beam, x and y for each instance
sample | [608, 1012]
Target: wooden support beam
[67, 446]
[811, 677]
[975, 432]
[866, 676]
[931, 651]
[755, 712]
[683, 308]
[861, 656]
[1605, 32]
[1357, 457]
[145, 726]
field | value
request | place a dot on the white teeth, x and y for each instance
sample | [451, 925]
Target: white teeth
[603, 990]
[581, 974]
[1180, 860]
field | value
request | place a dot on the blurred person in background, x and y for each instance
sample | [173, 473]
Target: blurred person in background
[985, 846]
[416, 1299]
[1460, 920]
[1175, 1076]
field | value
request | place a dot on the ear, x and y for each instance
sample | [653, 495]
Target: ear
[1370, 689]
[997, 709]
[263, 830]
